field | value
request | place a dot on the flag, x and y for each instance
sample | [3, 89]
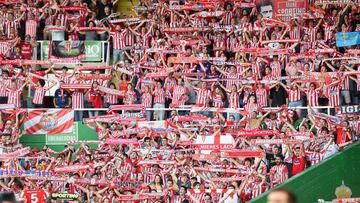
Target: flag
[52, 121]
[344, 39]
[209, 143]
[68, 49]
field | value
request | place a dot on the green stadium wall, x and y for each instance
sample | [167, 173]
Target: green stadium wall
[84, 133]
[321, 181]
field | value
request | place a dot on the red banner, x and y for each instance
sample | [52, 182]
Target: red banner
[12, 155]
[218, 170]
[86, 76]
[214, 146]
[121, 141]
[132, 107]
[231, 179]
[243, 153]
[156, 162]
[206, 157]
[346, 200]
[75, 86]
[256, 133]
[72, 168]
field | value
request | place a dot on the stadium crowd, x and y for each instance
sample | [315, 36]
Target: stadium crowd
[206, 70]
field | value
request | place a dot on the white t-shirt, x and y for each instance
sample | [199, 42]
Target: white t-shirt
[331, 150]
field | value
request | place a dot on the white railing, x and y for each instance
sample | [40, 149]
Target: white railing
[225, 110]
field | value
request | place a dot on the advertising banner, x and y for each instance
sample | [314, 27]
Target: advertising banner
[281, 9]
[86, 51]
[63, 139]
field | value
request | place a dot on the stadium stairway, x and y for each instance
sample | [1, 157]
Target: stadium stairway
[320, 181]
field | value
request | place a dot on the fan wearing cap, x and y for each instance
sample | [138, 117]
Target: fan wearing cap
[298, 158]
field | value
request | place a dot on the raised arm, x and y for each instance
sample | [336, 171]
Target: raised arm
[291, 126]
[330, 66]
[128, 56]
[264, 116]
[222, 86]
[221, 70]
[82, 188]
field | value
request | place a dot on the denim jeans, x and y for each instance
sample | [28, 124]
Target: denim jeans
[295, 104]
[78, 115]
[160, 114]
[149, 115]
[29, 100]
[345, 97]
[118, 55]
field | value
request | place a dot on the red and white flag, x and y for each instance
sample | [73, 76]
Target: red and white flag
[52, 121]
[210, 143]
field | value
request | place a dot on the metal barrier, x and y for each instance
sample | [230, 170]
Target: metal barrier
[226, 110]
[190, 108]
